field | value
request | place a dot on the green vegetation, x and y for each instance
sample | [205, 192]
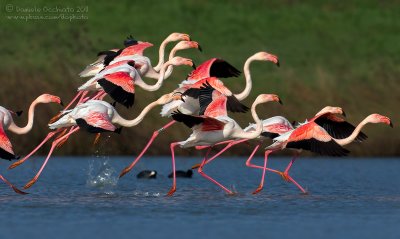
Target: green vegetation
[332, 53]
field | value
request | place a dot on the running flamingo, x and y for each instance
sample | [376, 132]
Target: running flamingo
[94, 116]
[214, 127]
[313, 137]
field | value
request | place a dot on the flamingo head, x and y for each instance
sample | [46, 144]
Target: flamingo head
[47, 98]
[263, 98]
[377, 118]
[265, 56]
[176, 36]
[177, 61]
[331, 110]
[182, 45]
[165, 99]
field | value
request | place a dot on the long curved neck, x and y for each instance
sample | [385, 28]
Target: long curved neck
[259, 127]
[159, 82]
[356, 131]
[31, 113]
[161, 53]
[249, 84]
[130, 123]
[170, 68]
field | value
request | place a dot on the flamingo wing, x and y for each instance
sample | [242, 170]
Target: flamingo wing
[314, 138]
[207, 123]
[119, 86]
[214, 68]
[95, 122]
[109, 56]
[6, 151]
[135, 49]
[338, 128]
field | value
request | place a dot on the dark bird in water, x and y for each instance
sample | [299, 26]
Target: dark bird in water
[147, 174]
[182, 174]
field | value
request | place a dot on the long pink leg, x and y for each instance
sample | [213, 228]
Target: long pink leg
[200, 170]
[206, 161]
[295, 156]
[173, 188]
[49, 136]
[53, 145]
[286, 177]
[12, 186]
[153, 137]
[260, 187]
[98, 95]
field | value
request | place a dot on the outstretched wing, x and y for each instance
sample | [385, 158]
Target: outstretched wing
[314, 138]
[119, 86]
[338, 128]
[95, 122]
[214, 68]
[207, 123]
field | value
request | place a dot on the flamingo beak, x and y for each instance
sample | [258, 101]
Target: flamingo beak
[280, 101]
[277, 63]
[193, 65]
[391, 124]
[61, 103]
[199, 48]
[343, 113]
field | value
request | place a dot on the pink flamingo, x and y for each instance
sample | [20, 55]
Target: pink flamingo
[6, 122]
[94, 116]
[211, 68]
[137, 48]
[313, 137]
[214, 127]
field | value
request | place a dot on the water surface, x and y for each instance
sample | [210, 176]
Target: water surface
[82, 196]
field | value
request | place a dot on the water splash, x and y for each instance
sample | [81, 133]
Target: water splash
[101, 174]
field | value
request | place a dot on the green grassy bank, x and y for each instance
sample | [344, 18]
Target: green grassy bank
[332, 53]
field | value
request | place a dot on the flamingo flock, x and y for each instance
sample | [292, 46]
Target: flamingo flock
[201, 102]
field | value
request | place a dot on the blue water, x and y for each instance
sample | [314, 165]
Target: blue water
[349, 198]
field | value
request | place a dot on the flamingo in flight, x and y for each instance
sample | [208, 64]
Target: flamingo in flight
[317, 135]
[7, 123]
[119, 81]
[211, 68]
[94, 116]
[133, 47]
[215, 126]
[112, 68]
[278, 125]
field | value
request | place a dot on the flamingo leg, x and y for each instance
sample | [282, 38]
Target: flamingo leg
[260, 187]
[153, 137]
[49, 136]
[289, 178]
[200, 170]
[12, 186]
[98, 95]
[62, 141]
[53, 145]
[173, 188]
[286, 172]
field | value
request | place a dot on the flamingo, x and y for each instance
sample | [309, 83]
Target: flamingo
[119, 81]
[94, 116]
[134, 47]
[213, 67]
[6, 122]
[313, 137]
[209, 130]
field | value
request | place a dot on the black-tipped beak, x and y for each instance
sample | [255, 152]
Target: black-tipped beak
[391, 124]
[280, 102]
[199, 47]
[194, 66]
[278, 64]
[19, 113]
[344, 113]
[61, 103]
